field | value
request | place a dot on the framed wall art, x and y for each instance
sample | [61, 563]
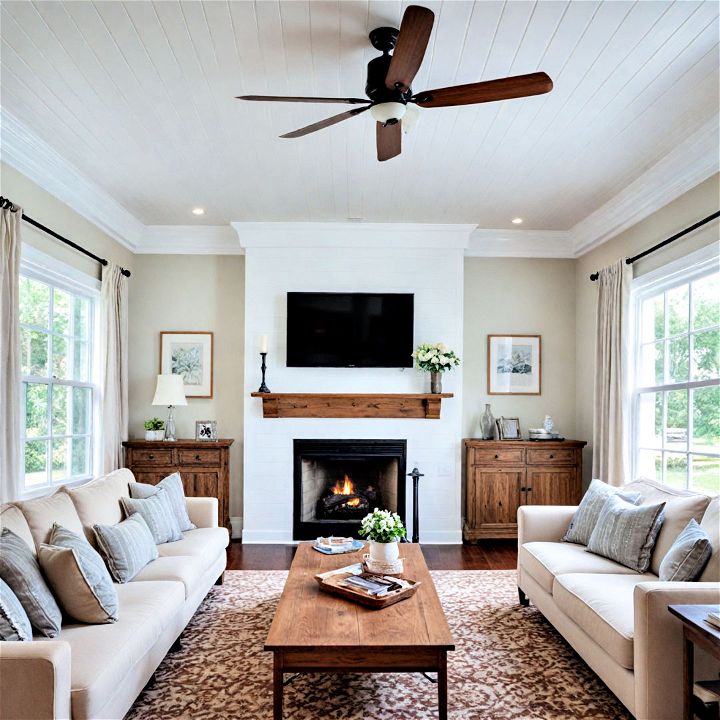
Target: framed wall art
[189, 354]
[514, 365]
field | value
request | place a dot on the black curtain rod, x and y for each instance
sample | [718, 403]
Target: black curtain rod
[7, 204]
[631, 260]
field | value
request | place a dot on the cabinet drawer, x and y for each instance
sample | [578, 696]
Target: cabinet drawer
[211, 456]
[490, 456]
[152, 457]
[551, 456]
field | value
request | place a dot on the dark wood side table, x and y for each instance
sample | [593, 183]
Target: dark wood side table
[696, 631]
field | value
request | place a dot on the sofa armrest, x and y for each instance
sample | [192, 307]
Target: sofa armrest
[35, 680]
[203, 511]
[543, 523]
[658, 645]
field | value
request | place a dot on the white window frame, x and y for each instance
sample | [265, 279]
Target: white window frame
[683, 271]
[57, 274]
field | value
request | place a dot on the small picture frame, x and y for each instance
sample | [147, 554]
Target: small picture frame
[514, 365]
[206, 430]
[508, 428]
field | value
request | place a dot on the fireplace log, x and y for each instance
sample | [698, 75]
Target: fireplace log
[333, 502]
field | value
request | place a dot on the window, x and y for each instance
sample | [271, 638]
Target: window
[676, 401]
[59, 393]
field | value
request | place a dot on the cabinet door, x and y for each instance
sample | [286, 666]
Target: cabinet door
[499, 497]
[552, 486]
[201, 484]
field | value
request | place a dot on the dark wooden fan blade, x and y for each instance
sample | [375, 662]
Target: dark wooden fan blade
[324, 123]
[283, 98]
[412, 41]
[488, 91]
[389, 140]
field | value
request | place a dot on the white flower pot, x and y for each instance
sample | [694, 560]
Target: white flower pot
[385, 553]
[154, 434]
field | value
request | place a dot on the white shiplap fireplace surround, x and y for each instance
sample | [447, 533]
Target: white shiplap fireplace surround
[426, 260]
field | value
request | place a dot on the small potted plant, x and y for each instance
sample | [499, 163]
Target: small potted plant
[154, 429]
[384, 530]
[435, 359]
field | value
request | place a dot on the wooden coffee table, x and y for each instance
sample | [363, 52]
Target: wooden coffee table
[316, 632]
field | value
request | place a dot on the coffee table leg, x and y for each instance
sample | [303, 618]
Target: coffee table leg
[277, 686]
[442, 686]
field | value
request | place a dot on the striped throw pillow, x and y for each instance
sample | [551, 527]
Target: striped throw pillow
[157, 513]
[14, 622]
[176, 494]
[127, 547]
[688, 556]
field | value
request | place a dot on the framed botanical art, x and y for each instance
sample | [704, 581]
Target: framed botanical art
[514, 365]
[189, 354]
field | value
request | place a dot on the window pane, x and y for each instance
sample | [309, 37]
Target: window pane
[36, 400]
[676, 470]
[650, 464]
[650, 413]
[81, 411]
[706, 474]
[59, 459]
[678, 357]
[651, 369]
[706, 419]
[678, 309]
[81, 370]
[61, 311]
[706, 301]
[80, 457]
[676, 434]
[60, 395]
[706, 355]
[652, 319]
[34, 302]
[59, 362]
[33, 352]
[82, 315]
[35, 462]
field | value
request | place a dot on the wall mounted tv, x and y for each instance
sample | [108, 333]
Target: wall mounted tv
[349, 329]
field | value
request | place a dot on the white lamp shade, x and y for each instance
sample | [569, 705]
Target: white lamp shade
[387, 111]
[169, 391]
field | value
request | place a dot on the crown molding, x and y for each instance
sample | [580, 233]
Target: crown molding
[35, 159]
[520, 244]
[189, 240]
[685, 166]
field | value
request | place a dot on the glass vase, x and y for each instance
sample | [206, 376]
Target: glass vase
[487, 424]
[436, 382]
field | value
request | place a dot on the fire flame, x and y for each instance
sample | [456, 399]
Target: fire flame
[346, 488]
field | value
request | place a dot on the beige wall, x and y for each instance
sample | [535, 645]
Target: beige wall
[522, 296]
[191, 292]
[57, 216]
[696, 204]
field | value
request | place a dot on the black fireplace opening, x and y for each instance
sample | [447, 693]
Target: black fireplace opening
[338, 482]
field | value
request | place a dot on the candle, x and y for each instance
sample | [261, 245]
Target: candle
[263, 344]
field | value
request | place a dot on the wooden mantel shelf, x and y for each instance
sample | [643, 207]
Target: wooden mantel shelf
[352, 405]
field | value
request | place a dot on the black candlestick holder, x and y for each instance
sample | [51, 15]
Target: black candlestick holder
[263, 387]
[416, 475]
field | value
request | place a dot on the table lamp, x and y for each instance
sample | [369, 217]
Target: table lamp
[170, 392]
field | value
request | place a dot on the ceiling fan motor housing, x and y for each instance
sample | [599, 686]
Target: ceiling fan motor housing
[383, 39]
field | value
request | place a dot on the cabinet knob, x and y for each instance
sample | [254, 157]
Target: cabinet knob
[528, 489]
[522, 489]
[151, 456]
[197, 457]
[552, 456]
[497, 456]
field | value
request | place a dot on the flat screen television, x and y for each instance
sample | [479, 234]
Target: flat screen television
[349, 329]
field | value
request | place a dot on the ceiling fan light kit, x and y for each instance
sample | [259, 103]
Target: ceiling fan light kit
[389, 78]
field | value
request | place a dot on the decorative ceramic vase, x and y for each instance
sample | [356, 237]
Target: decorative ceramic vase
[548, 424]
[487, 424]
[384, 553]
[436, 382]
[154, 434]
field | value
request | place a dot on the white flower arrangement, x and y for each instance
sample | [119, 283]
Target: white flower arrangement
[382, 526]
[435, 358]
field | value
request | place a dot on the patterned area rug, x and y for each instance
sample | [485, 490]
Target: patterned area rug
[509, 664]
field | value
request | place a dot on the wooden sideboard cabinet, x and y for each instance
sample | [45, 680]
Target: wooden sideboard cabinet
[203, 465]
[501, 475]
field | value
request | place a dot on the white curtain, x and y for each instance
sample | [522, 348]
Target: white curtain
[610, 417]
[10, 400]
[114, 364]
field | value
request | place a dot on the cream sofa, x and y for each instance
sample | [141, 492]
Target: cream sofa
[97, 671]
[615, 618]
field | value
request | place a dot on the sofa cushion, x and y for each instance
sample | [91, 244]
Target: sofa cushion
[158, 513]
[11, 517]
[126, 547]
[688, 556]
[14, 622]
[544, 560]
[603, 608]
[179, 568]
[98, 502]
[205, 543]
[711, 525]
[43, 512]
[106, 656]
[173, 485]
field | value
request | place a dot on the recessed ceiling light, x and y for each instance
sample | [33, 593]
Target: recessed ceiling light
[515, 221]
[201, 211]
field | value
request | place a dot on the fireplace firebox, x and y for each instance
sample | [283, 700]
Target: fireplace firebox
[338, 482]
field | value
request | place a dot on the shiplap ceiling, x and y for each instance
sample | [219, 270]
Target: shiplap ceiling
[139, 97]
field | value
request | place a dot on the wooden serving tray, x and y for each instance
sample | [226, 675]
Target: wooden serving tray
[329, 582]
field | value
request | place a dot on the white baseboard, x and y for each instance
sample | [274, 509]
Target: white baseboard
[440, 537]
[276, 537]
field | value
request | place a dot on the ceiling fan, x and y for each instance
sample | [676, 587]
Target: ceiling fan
[392, 102]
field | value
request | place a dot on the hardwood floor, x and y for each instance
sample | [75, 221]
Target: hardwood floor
[486, 555]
